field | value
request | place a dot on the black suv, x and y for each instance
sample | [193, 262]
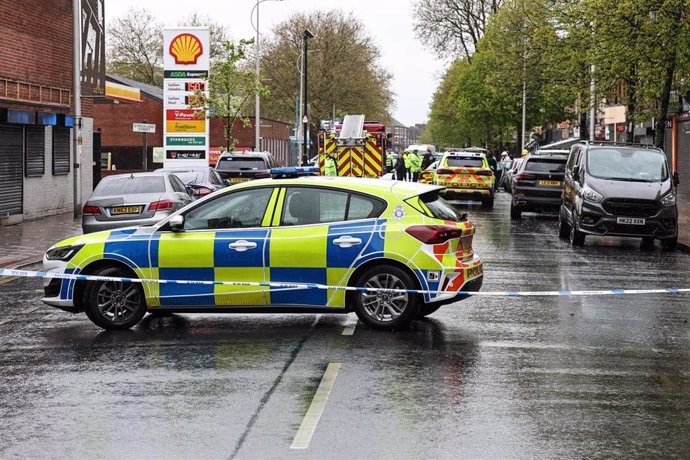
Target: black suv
[619, 190]
[244, 166]
[538, 184]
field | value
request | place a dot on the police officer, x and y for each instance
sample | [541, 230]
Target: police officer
[406, 157]
[389, 162]
[330, 167]
[415, 166]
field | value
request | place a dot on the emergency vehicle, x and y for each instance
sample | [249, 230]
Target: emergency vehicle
[359, 147]
[466, 174]
[389, 237]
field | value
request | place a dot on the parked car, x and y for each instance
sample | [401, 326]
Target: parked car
[619, 190]
[510, 175]
[537, 184]
[200, 181]
[467, 175]
[334, 231]
[243, 166]
[427, 175]
[124, 200]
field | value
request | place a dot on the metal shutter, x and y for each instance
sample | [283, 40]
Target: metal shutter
[35, 151]
[61, 154]
[11, 170]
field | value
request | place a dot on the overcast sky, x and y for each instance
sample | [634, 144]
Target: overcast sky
[415, 70]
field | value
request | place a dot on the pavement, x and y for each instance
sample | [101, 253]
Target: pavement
[25, 243]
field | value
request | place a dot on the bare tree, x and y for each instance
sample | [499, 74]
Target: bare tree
[453, 26]
[135, 47]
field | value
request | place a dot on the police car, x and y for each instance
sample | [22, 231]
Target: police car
[466, 174]
[258, 236]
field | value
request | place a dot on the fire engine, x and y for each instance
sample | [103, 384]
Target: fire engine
[359, 147]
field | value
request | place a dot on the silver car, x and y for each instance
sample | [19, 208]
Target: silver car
[124, 200]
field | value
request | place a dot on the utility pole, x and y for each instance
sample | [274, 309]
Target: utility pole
[305, 154]
[257, 115]
[144, 154]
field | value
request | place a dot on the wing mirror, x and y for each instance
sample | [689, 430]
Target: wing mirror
[176, 223]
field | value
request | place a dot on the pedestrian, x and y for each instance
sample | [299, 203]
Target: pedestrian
[389, 162]
[428, 159]
[330, 166]
[406, 156]
[400, 170]
[415, 166]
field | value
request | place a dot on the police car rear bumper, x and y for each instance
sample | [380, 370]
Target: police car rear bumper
[474, 285]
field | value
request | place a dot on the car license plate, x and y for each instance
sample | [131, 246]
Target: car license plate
[550, 183]
[124, 210]
[630, 220]
[239, 179]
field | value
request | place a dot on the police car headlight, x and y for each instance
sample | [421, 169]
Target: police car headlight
[669, 200]
[63, 253]
[591, 195]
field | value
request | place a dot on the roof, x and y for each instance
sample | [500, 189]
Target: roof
[152, 91]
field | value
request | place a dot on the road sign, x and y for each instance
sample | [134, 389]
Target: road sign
[143, 127]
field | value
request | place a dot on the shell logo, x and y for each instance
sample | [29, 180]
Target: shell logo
[186, 49]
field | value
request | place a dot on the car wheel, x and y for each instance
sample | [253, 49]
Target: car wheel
[114, 304]
[386, 310]
[669, 244]
[563, 227]
[427, 309]
[515, 212]
[577, 238]
[488, 202]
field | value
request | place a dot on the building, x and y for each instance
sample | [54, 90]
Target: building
[37, 154]
[402, 136]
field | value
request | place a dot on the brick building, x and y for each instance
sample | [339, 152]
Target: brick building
[36, 112]
[113, 119]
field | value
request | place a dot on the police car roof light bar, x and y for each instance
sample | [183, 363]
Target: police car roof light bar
[294, 171]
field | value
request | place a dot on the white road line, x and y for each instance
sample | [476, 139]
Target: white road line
[313, 415]
[30, 310]
[350, 327]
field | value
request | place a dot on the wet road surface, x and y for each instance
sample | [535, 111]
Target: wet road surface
[562, 377]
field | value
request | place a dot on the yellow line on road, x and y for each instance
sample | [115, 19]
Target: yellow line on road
[7, 280]
[313, 415]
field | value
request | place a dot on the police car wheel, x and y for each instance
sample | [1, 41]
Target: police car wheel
[380, 308]
[114, 304]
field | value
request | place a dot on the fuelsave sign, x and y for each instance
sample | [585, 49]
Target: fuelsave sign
[185, 71]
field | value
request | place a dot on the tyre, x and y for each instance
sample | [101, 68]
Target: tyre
[515, 212]
[488, 202]
[669, 244]
[114, 305]
[386, 310]
[427, 309]
[563, 227]
[577, 238]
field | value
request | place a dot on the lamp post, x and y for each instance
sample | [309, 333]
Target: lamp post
[257, 98]
[305, 120]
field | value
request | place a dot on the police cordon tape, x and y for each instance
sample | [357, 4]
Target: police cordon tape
[285, 285]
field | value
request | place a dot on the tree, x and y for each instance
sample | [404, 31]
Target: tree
[453, 26]
[135, 47]
[231, 83]
[344, 70]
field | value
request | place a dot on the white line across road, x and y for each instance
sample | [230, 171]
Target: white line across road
[350, 327]
[313, 415]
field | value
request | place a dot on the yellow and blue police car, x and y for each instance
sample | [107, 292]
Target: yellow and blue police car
[466, 174]
[405, 248]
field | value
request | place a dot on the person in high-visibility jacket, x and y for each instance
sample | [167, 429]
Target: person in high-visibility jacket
[330, 167]
[406, 157]
[415, 166]
[389, 162]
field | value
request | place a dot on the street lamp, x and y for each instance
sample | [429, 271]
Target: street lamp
[257, 115]
[305, 36]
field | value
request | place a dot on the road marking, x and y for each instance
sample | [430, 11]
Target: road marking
[350, 327]
[5, 321]
[7, 280]
[30, 310]
[313, 415]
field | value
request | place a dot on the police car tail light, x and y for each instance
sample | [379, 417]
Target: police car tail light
[91, 211]
[484, 172]
[160, 205]
[434, 234]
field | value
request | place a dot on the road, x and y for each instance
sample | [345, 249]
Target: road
[532, 378]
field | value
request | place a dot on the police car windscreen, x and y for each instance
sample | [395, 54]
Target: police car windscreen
[546, 165]
[240, 164]
[465, 162]
[130, 184]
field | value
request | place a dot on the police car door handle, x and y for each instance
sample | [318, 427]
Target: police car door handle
[242, 245]
[347, 241]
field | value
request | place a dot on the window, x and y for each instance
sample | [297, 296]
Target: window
[543, 165]
[35, 151]
[572, 160]
[61, 151]
[435, 206]
[242, 209]
[177, 184]
[307, 205]
[215, 178]
[362, 207]
[241, 164]
[119, 186]
[465, 162]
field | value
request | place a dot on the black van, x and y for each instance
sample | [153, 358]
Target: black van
[619, 190]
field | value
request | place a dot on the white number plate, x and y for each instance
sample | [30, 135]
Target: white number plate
[630, 220]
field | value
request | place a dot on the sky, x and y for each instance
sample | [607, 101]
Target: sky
[416, 71]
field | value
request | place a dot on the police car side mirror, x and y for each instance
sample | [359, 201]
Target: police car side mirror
[176, 223]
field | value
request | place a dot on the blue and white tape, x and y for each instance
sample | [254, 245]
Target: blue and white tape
[286, 286]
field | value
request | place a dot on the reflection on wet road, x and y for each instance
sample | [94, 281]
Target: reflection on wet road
[484, 378]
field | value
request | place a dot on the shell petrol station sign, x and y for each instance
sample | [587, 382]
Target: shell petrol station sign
[185, 70]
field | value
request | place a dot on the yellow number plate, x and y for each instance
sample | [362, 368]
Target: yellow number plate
[239, 179]
[125, 210]
[550, 183]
